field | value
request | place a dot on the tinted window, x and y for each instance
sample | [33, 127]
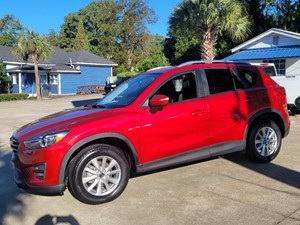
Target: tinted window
[180, 88]
[270, 71]
[248, 78]
[238, 83]
[219, 80]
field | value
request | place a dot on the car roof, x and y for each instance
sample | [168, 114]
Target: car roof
[167, 68]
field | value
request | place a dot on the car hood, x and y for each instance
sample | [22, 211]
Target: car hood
[63, 120]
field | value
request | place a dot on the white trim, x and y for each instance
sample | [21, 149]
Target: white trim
[266, 33]
[65, 71]
[25, 63]
[20, 82]
[59, 83]
[13, 63]
[94, 64]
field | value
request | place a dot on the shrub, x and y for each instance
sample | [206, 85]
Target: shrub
[127, 73]
[12, 97]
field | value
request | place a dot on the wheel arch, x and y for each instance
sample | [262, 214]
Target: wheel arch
[114, 139]
[267, 114]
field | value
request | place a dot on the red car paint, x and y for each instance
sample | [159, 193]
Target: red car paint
[151, 134]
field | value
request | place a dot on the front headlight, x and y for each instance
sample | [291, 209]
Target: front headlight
[45, 140]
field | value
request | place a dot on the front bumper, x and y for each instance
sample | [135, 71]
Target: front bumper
[28, 177]
[38, 190]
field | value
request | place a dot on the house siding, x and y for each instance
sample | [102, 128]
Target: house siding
[95, 75]
[293, 67]
[88, 76]
[69, 83]
[267, 42]
[15, 88]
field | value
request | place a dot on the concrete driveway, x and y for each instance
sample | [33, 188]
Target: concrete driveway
[225, 190]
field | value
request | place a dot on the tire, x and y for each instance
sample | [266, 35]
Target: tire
[264, 142]
[295, 110]
[92, 182]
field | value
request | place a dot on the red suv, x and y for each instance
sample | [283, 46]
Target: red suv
[158, 119]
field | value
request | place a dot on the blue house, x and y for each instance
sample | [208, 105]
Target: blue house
[277, 46]
[61, 74]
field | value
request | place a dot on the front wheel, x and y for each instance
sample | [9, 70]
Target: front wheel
[98, 174]
[264, 142]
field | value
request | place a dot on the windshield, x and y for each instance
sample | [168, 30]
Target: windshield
[127, 92]
[121, 79]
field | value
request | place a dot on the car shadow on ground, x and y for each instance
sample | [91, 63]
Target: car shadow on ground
[80, 103]
[10, 196]
[51, 220]
[271, 170]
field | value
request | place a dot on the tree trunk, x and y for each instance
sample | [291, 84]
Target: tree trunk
[207, 39]
[37, 77]
[129, 59]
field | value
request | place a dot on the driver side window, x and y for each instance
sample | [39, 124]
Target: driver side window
[180, 88]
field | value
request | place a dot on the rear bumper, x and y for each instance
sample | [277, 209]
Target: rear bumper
[38, 190]
[287, 130]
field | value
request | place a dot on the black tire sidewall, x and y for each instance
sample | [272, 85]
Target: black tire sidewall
[251, 150]
[295, 110]
[75, 177]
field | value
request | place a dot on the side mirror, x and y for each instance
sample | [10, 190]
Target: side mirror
[159, 101]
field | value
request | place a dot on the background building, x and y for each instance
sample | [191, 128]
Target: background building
[63, 73]
[276, 46]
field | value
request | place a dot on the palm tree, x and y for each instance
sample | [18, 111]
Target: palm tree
[209, 17]
[31, 44]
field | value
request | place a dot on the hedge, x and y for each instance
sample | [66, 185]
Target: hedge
[12, 97]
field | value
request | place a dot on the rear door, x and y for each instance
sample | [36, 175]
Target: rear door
[227, 115]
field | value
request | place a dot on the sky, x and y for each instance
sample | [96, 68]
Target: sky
[41, 16]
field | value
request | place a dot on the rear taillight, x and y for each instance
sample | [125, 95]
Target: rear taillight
[281, 97]
[280, 90]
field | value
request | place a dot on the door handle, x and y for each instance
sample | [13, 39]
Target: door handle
[198, 112]
[249, 100]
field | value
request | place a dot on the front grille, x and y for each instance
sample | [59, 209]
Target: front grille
[14, 144]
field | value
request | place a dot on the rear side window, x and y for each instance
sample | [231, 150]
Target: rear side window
[219, 80]
[248, 78]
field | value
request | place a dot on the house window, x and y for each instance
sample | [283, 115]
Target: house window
[43, 79]
[15, 78]
[53, 79]
[280, 65]
[275, 40]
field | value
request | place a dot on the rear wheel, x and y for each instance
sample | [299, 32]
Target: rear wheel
[98, 174]
[264, 141]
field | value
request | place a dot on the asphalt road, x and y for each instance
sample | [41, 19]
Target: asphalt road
[225, 190]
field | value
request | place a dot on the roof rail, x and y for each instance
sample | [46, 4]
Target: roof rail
[209, 62]
[159, 67]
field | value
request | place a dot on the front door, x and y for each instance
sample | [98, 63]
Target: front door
[180, 126]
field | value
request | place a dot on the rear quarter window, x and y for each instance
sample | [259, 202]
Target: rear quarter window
[270, 71]
[247, 77]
